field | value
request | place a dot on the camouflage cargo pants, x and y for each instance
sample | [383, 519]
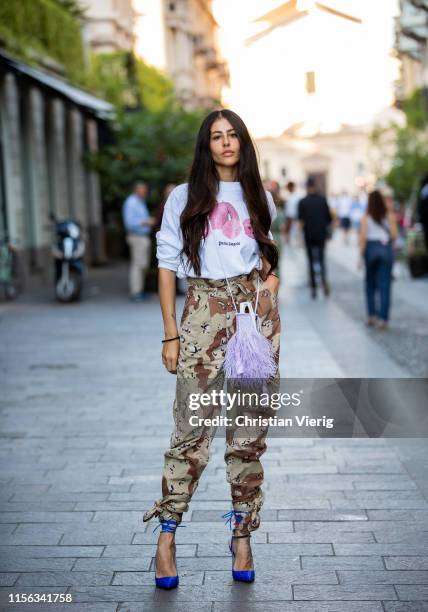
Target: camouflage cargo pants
[208, 320]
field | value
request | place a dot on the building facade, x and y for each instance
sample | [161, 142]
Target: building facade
[340, 161]
[411, 44]
[108, 25]
[180, 38]
[46, 126]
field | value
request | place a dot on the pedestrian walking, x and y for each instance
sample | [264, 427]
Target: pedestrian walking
[138, 224]
[378, 230]
[216, 232]
[291, 212]
[357, 211]
[315, 217]
[344, 207]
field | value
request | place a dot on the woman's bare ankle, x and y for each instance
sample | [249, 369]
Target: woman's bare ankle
[165, 555]
[166, 539]
[243, 553]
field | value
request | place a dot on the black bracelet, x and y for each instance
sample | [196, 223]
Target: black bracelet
[169, 339]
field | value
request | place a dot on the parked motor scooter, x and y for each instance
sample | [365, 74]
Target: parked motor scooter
[8, 269]
[68, 252]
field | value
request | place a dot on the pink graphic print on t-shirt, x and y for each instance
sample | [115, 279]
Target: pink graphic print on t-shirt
[248, 228]
[225, 218]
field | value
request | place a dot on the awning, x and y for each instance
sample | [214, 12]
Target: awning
[81, 98]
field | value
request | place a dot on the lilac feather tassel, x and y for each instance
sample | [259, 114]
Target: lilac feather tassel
[249, 355]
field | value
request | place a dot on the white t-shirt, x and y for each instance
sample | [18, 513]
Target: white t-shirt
[343, 206]
[377, 231]
[292, 205]
[230, 240]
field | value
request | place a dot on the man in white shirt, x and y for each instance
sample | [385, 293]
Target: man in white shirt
[343, 207]
[291, 210]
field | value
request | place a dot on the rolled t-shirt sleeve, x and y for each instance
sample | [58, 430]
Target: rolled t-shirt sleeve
[169, 239]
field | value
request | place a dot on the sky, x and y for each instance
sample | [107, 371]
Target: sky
[150, 44]
[353, 65]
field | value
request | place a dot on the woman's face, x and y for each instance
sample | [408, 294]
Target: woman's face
[224, 143]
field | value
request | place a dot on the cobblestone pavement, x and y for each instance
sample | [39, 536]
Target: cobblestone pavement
[85, 417]
[407, 339]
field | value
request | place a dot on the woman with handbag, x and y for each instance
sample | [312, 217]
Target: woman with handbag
[378, 230]
[216, 232]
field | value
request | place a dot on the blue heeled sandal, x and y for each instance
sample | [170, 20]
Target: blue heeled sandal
[238, 575]
[167, 582]
[241, 575]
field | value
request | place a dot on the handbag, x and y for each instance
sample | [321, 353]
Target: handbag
[249, 355]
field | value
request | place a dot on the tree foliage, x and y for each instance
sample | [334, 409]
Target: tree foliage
[47, 27]
[37, 29]
[410, 161]
[157, 91]
[128, 82]
[409, 164]
[74, 7]
[156, 146]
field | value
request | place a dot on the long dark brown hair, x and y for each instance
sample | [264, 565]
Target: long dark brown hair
[203, 184]
[376, 207]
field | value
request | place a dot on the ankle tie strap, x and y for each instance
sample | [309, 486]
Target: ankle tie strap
[168, 526]
[237, 515]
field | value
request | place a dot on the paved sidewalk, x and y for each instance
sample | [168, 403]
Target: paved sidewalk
[338, 322]
[86, 415]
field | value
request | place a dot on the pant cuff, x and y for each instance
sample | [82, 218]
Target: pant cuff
[251, 514]
[161, 510]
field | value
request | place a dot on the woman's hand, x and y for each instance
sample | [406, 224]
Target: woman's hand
[271, 283]
[170, 351]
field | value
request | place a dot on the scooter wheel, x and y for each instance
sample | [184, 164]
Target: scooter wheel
[65, 291]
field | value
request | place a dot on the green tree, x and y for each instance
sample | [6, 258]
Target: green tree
[157, 91]
[128, 82]
[74, 7]
[409, 164]
[36, 29]
[156, 146]
[411, 142]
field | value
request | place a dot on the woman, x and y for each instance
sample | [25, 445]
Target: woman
[216, 232]
[378, 230]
